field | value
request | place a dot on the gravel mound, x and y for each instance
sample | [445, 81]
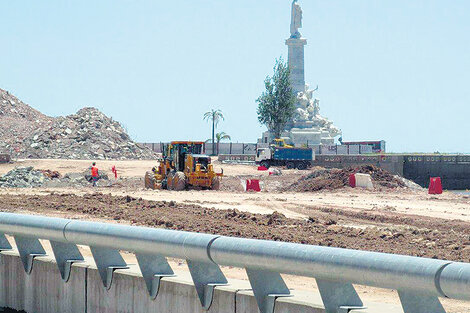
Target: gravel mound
[88, 134]
[331, 179]
[23, 177]
[28, 177]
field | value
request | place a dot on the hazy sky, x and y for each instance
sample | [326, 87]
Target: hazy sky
[394, 70]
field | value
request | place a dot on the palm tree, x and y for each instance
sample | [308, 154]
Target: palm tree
[219, 137]
[214, 116]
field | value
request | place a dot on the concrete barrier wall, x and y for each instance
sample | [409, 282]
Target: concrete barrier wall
[391, 163]
[43, 291]
[237, 157]
[454, 170]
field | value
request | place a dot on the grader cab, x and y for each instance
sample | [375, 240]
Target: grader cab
[182, 166]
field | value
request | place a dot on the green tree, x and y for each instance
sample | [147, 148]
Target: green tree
[214, 116]
[276, 105]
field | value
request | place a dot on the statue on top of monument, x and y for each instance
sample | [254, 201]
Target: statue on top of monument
[296, 20]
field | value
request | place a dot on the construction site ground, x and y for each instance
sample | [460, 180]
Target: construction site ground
[393, 220]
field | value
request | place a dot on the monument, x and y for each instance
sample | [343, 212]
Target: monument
[307, 126]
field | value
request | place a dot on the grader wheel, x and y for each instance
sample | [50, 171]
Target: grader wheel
[149, 180]
[215, 183]
[179, 181]
[169, 181]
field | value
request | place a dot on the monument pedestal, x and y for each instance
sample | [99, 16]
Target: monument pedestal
[301, 137]
[310, 136]
[296, 63]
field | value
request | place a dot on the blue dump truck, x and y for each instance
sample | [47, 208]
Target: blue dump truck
[300, 158]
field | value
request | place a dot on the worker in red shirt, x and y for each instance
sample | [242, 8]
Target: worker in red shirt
[94, 174]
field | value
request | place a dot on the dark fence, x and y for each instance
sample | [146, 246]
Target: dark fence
[250, 148]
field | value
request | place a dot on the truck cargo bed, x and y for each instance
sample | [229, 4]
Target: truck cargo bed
[293, 154]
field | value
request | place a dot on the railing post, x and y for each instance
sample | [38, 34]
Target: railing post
[267, 287]
[28, 248]
[153, 268]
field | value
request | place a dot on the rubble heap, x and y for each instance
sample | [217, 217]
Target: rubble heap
[88, 134]
[331, 179]
[17, 121]
[23, 177]
[28, 177]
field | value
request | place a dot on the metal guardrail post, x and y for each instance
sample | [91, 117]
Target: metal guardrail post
[107, 260]
[419, 303]
[205, 273]
[267, 287]
[28, 248]
[4, 243]
[206, 276]
[153, 267]
[65, 254]
[337, 296]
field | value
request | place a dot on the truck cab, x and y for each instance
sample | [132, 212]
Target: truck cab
[263, 155]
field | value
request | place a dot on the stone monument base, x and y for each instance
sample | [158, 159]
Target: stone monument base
[310, 136]
[301, 136]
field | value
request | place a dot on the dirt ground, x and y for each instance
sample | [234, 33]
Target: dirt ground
[393, 220]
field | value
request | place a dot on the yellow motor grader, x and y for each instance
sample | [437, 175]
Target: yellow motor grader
[182, 166]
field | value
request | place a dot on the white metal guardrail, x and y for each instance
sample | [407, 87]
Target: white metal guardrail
[419, 281]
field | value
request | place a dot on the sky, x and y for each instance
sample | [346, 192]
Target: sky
[387, 70]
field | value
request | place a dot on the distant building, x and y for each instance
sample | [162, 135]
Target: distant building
[377, 146]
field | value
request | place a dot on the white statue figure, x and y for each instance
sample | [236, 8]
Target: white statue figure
[308, 110]
[302, 100]
[296, 20]
[316, 107]
[302, 114]
[311, 110]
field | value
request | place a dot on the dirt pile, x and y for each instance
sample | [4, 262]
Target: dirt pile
[386, 232]
[337, 178]
[88, 134]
